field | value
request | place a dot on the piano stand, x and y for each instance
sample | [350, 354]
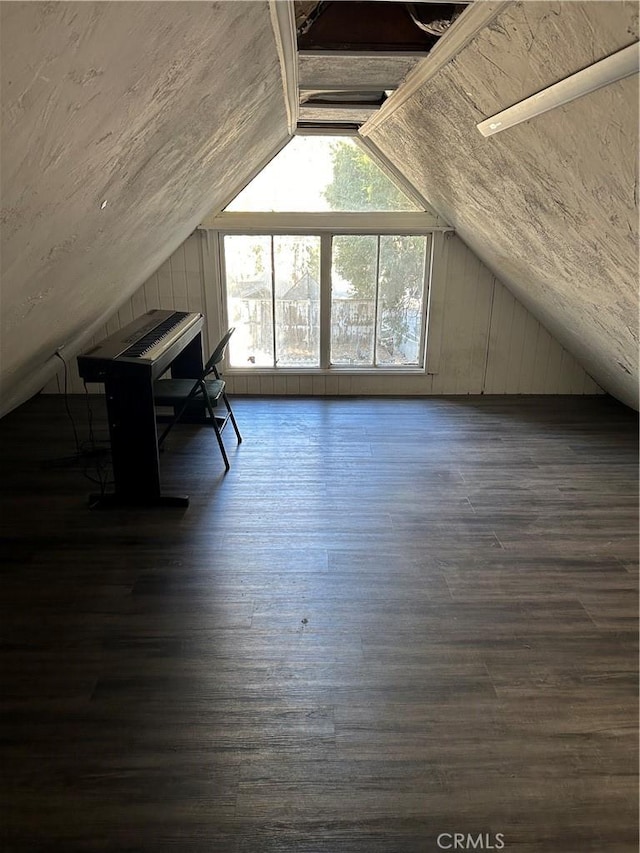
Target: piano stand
[128, 363]
[113, 501]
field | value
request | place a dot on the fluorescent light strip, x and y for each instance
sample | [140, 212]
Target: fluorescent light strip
[619, 65]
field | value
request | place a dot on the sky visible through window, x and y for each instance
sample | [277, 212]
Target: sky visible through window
[272, 282]
[321, 173]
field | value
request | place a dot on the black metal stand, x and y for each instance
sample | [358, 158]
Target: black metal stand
[133, 434]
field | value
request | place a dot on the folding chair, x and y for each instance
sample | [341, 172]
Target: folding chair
[180, 393]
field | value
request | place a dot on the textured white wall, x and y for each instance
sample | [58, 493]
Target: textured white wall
[166, 109]
[161, 109]
[550, 206]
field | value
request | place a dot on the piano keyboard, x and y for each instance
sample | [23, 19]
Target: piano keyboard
[145, 345]
[144, 342]
[128, 362]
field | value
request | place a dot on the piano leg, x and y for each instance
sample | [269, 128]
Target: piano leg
[134, 447]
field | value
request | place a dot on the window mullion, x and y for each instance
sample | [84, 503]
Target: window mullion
[273, 300]
[238, 272]
[325, 299]
[375, 306]
[426, 298]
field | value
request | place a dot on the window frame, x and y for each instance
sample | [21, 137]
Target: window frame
[386, 166]
[366, 224]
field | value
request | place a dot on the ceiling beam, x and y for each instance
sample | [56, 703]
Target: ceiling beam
[363, 70]
[475, 18]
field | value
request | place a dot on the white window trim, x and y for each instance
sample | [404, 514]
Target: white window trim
[326, 233]
[430, 218]
[283, 24]
[388, 222]
[424, 222]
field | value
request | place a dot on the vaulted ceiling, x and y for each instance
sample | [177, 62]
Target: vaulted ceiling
[124, 124]
[550, 205]
[352, 56]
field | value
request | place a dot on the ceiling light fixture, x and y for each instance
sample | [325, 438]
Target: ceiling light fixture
[619, 65]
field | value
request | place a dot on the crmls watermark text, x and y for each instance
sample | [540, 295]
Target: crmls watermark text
[468, 841]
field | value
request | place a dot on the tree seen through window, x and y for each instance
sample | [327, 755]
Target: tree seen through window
[376, 290]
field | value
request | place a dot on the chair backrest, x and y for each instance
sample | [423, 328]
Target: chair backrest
[218, 354]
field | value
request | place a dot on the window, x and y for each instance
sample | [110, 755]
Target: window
[325, 263]
[377, 286]
[375, 297]
[316, 173]
[273, 300]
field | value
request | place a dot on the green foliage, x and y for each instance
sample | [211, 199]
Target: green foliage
[354, 259]
[358, 184]
[257, 251]
[401, 269]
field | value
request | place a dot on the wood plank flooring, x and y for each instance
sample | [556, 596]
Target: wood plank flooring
[392, 620]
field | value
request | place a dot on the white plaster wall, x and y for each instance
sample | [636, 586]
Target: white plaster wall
[161, 109]
[550, 206]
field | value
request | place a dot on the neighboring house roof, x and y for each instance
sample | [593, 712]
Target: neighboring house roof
[306, 287]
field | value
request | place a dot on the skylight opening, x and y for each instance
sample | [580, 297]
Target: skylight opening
[322, 173]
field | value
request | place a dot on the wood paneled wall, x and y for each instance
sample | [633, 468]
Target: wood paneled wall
[177, 284]
[480, 338]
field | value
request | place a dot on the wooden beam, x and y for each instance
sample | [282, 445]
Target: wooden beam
[391, 222]
[366, 70]
[284, 30]
[472, 21]
[352, 113]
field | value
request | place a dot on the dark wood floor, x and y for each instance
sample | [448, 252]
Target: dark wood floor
[392, 619]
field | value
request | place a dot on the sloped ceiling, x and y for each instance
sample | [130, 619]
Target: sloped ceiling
[550, 205]
[123, 124]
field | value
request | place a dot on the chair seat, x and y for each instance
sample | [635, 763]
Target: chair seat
[172, 392]
[181, 393]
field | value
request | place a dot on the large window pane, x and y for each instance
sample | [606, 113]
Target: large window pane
[314, 173]
[297, 303]
[353, 299]
[249, 300]
[400, 300]
[377, 303]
